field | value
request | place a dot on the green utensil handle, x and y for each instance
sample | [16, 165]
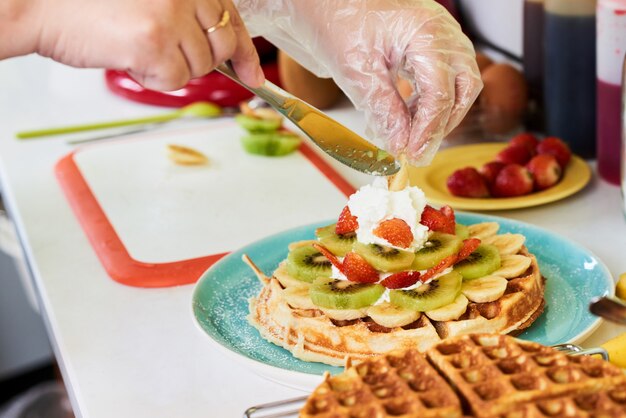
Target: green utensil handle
[94, 126]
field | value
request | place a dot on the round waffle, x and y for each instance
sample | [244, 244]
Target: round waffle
[311, 335]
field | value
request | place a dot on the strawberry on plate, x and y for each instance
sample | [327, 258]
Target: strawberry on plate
[527, 140]
[347, 223]
[356, 269]
[557, 148]
[396, 231]
[401, 280]
[514, 154]
[490, 171]
[545, 170]
[436, 220]
[513, 180]
[467, 182]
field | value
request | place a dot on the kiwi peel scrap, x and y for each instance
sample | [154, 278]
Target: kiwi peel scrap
[482, 262]
[307, 264]
[438, 247]
[340, 245]
[257, 125]
[383, 258]
[342, 294]
[439, 292]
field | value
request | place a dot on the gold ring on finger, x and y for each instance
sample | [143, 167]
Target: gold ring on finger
[219, 25]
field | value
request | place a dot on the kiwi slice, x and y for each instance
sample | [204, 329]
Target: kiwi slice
[461, 231]
[273, 144]
[438, 247]
[383, 258]
[483, 261]
[339, 245]
[343, 294]
[307, 264]
[258, 125]
[432, 295]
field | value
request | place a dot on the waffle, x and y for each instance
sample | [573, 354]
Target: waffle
[312, 336]
[482, 375]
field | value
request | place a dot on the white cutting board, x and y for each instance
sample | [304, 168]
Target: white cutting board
[165, 212]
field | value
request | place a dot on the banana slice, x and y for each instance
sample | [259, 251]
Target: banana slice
[298, 298]
[391, 316]
[282, 275]
[344, 314]
[483, 230]
[512, 266]
[449, 312]
[506, 243]
[485, 289]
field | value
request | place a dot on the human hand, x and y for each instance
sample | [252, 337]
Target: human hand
[161, 43]
[364, 45]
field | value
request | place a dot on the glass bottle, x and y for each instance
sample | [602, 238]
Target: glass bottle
[533, 60]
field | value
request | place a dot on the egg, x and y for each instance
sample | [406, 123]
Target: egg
[297, 80]
[504, 98]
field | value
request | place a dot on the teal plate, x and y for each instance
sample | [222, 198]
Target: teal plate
[220, 300]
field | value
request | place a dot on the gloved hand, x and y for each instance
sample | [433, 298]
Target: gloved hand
[364, 45]
[162, 43]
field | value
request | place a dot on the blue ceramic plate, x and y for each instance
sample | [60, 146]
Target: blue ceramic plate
[220, 300]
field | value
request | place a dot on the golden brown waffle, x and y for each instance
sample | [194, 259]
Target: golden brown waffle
[487, 375]
[312, 336]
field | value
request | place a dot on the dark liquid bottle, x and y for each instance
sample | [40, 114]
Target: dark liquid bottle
[570, 73]
[533, 61]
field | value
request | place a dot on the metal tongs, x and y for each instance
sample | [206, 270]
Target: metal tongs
[332, 137]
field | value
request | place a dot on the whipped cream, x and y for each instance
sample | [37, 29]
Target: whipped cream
[375, 203]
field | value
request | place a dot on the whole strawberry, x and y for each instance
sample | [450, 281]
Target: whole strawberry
[557, 148]
[514, 154]
[513, 180]
[467, 182]
[527, 140]
[545, 170]
[490, 171]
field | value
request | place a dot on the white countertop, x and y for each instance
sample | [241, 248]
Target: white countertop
[130, 352]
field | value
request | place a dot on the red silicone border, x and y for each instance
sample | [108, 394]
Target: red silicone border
[111, 250]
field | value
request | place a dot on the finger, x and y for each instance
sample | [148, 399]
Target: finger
[222, 40]
[435, 80]
[196, 49]
[166, 72]
[468, 85]
[245, 58]
[371, 87]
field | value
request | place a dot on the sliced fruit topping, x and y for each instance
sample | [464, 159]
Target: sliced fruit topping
[485, 289]
[339, 245]
[469, 246]
[449, 213]
[429, 296]
[396, 232]
[385, 259]
[358, 270]
[330, 256]
[342, 294]
[255, 124]
[483, 230]
[450, 312]
[481, 262]
[507, 243]
[274, 144]
[344, 314]
[436, 220]
[438, 247]
[439, 268]
[392, 316]
[347, 223]
[298, 298]
[307, 263]
[513, 265]
[461, 231]
[401, 280]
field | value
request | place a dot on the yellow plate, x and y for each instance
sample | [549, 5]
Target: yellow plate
[432, 179]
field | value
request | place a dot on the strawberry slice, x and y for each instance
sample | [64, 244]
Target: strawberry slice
[396, 232]
[331, 257]
[358, 270]
[437, 220]
[469, 246]
[347, 223]
[401, 280]
[449, 213]
[443, 264]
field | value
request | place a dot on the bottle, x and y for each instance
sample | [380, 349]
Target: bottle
[611, 47]
[533, 61]
[570, 73]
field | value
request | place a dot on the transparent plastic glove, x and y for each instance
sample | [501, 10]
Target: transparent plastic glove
[364, 45]
[161, 43]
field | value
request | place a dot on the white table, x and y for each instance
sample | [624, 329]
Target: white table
[129, 352]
